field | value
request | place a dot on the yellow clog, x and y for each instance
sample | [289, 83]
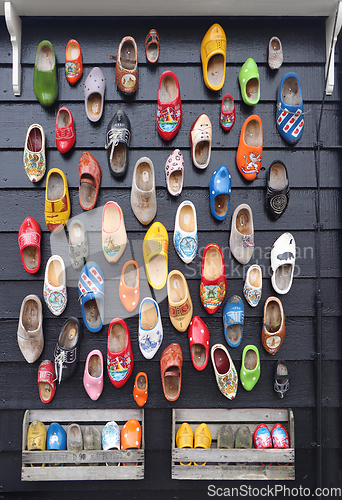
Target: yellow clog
[213, 56]
[185, 438]
[180, 303]
[57, 201]
[202, 438]
[155, 252]
[36, 438]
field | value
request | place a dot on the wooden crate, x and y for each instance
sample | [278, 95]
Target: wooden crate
[79, 465]
[234, 464]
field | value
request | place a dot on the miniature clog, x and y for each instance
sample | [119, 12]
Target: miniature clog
[241, 241]
[227, 116]
[220, 188]
[150, 328]
[281, 379]
[152, 46]
[198, 335]
[171, 362]
[111, 436]
[262, 437]
[94, 90]
[46, 381]
[169, 108]
[129, 288]
[91, 296]
[249, 82]
[78, 247]
[233, 319]
[30, 328]
[44, 75]
[283, 257]
[34, 153]
[67, 348]
[118, 138]
[114, 236]
[143, 192]
[250, 367]
[273, 330]
[275, 53]
[29, 239]
[126, 69]
[185, 237]
[119, 353]
[55, 291]
[140, 389]
[202, 438]
[278, 189]
[174, 171]
[73, 61]
[74, 437]
[213, 278]
[179, 299]
[185, 438]
[290, 116]
[155, 252]
[57, 201]
[225, 371]
[93, 374]
[36, 436]
[249, 152]
[253, 285]
[200, 141]
[56, 438]
[65, 130]
[213, 57]
[89, 178]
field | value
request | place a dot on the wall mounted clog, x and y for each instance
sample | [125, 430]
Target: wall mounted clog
[118, 138]
[281, 378]
[171, 362]
[174, 171]
[34, 153]
[57, 201]
[253, 285]
[200, 141]
[143, 192]
[94, 91]
[275, 53]
[67, 348]
[152, 46]
[78, 247]
[29, 239]
[126, 69]
[44, 75]
[249, 152]
[213, 57]
[91, 296]
[249, 82]
[278, 189]
[89, 178]
[114, 236]
[30, 328]
[180, 303]
[129, 288]
[185, 237]
[140, 388]
[169, 108]
[289, 115]
[225, 371]
[185, 438]
[233, 318]
[273, 329]
[241, 241]
[73, 61]
[283, 257]
[155, 252]
[65, 130]
[227, 116]
[198, 335]
[46, 381]
[120, 360]
[220, 188]
[55, 291]
[213, 278]
[250, 367]
[150, 328]
[93, 374]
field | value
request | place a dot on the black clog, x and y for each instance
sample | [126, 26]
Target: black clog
[281, 379]
[278, 189]
[117, 142]
[67, 349]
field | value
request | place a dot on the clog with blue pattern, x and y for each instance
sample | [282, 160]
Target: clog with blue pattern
[91, 296]
[55, 291]
[233, 317]
[253, 285]
[290, 119]
[185, 234]
[220, 188]
[225, 371]
[150, 328]
[111, 436]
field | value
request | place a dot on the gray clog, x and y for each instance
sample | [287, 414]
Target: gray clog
[94, 90]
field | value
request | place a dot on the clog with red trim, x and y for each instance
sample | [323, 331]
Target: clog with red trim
[46, 381]
[198, 335]
[119, 352]
[65, 130]
[227, 116]
[262, 437]
[213, 278]
[29, 238]
[169, 110]
[73, 61]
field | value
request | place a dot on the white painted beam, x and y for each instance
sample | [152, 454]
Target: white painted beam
[13, 23]
[332, 28]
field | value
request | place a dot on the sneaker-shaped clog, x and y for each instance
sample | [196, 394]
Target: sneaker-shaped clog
[202, 438]
[65, 130]
[57, 201]
[275, 53]
[29, 239]
[273, 329]
[220, 188]
[233, 318]
[180, 303]
[143, 192]
[44, 75]
[198, 335]
[227, 116]
[114, 236]
[46, 381]
[140, 389]
[30, 328]
[155, 252]
[250, 367]
[119, 353]
[89, 178]
[118, 138]
[249, 152]
[185, 438]
[201, 133]
[169, 108]
[126, 69]
[94, 90]
[213, 278]
[78, 248]
[225, 371]
[93, 374]
[241, 241]
[152, 46]
[67, 348]
[129, 288]
[185, 233]
[281, 379]
[150, 328]
[253, 285]
[213, 57]
[278, 189]
[91, 296]
[34, 153]
[174, 172]
[131, 437]
[73, 61]
[283, 257]
[171, 362]
[249, 82]
[290, 117]
[55, 291]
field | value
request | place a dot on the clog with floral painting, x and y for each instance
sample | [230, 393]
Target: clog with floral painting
[73, 61]
[227, 117]
[213, 278]
[34, 153]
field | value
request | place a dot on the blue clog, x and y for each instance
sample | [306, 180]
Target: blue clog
[91, 296]
[233, 315]
[56, 439]
[220, 189]
[290, 118]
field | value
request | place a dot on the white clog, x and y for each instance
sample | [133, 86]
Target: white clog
[283, 257]
[55, 292]
[253, 285]
[150, 328]
[185, 234]
[114, 236]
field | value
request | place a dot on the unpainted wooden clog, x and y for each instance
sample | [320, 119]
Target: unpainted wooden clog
[94, 91]
[169, 108]
[114, 236]
[171, 362]
[57, 202]
[55, 290]
[179, 299]
[74, 437]
[273, 330]
[249, 152]
[225, 371]
[73, 61]
[126, 69]
[29, 239]
[30, 328]
[34, 153]
[213, 278]
[143, 192]
[155, 252]
[120, 360]
[213, 56]
[241, 241]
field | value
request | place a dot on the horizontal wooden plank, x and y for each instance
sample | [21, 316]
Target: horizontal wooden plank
[77, 473]
[230, 472]
[230, 415]
[234, 455]
[88, 415]
[82, 458]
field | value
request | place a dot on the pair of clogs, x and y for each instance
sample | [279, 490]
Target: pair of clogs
[253, 285]
[171, 362]
[78, 246]
[93, 374]
[150, 327]
[233, 319]
[55, 290]
[34, 153]
[114, 236]
[249, 152]
[174, 172]
[120, 360]
[129, 288]
[213, 284]
[201, 133]
[225, 371]
[66, 352]
[185, 438]
[65, 130]
[118, 138]
[185, 237]
[273, 330]
[155, 252]
[198, 336]
[283, 258]
[89, 178]
[30, 328]
[94, 91]
[128, 438]
[57, 202]
[179, 300]
[140, 389]
[220, 188]
[250, 367]
[44, 75]
[29, 240]
[91, 296]
[277, 438]
[143, 192]
[227, 438]
[169, 107]
[241, 241]
[126, 69]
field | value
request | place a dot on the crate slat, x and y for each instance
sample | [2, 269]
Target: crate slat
[229, 472]
[79, 473]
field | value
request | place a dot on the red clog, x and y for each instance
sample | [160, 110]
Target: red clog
[119, 353]
[29, 238]
[46, 381]
[169, 110]
[198, 335]
[213, 278]
[227, 117]
[65, 130]
[171, 362]
[73, 61]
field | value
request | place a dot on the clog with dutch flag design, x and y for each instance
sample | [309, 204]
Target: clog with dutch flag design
[91, 296]
[290, 119]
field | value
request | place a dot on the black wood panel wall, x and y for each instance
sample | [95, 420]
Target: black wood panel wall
[304, 53]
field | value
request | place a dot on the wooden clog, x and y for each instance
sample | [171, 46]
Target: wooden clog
[213, 278]
[241, 241]
[120, 360]
[155, 252]
[169, 108]
[57, 201]
[152, 46]
[44, 75]
[143, 192]
[180, 303]
[249, 80]
[225, 371]
[171, 362]
[29, 239]
[94, 91]
[30, 328]
[249, 152]
[65, 130]
[55, 290]
[273, 331]
[89, 178]
[114, 236]
[73, 61]
[198, 335]
[126, 69]
[213, 56]
[150, 327]
[140, 388]
[34, 153]
[129, 289]
[200, 141]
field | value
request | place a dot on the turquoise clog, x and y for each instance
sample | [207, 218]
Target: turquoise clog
[44, 76]
[250, 82]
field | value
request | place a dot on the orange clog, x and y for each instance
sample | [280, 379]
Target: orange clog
[249, 153]
[140, 389]
[129, 290]
[131, 436]
[73, 61]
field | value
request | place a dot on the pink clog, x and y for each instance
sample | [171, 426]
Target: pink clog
[93, 374]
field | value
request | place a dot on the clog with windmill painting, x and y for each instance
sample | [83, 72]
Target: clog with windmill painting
[213, 278]
[169, 109]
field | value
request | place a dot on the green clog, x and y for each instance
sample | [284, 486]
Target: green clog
[44, 75]
[250, 367]
[250, 82]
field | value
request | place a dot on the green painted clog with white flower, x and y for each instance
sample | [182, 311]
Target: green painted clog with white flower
[250, 82]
